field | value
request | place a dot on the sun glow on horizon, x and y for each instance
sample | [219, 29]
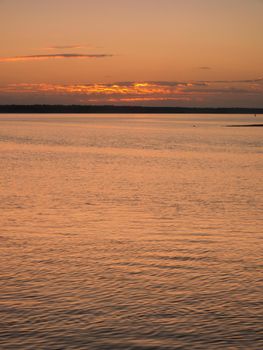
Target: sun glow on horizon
[174, 49]
[124, 92]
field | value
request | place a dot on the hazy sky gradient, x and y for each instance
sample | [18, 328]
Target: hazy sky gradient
[66, 44]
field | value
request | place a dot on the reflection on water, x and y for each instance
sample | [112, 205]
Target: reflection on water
[130, 232]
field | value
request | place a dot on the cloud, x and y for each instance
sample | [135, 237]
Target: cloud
[143, 92]
[246, 81]
[177, 83]
[157, 83]
[66, 47]
[150, 99]
[141, 88]
[52, 56]
[186, 84]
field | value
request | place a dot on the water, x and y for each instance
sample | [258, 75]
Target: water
[130, 232]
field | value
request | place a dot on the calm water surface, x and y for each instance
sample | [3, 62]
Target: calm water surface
[130, 232]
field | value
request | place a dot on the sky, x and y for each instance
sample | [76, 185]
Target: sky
[132, 52]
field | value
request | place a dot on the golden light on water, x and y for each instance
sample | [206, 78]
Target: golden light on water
[119, 230]
[131, 231]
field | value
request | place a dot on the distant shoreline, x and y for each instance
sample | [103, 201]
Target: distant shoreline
[110, 109]
[245, 126]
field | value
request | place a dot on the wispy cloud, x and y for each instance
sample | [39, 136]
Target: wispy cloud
[246, 81]
[52, 56]
[66, 47]
[150, 99]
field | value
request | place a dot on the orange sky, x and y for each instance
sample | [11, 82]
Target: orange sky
[143, 52]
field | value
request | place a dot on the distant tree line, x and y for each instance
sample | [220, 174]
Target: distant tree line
[123, 109]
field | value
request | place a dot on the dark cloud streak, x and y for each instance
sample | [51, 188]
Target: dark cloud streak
[52, 56]
[205, 68]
